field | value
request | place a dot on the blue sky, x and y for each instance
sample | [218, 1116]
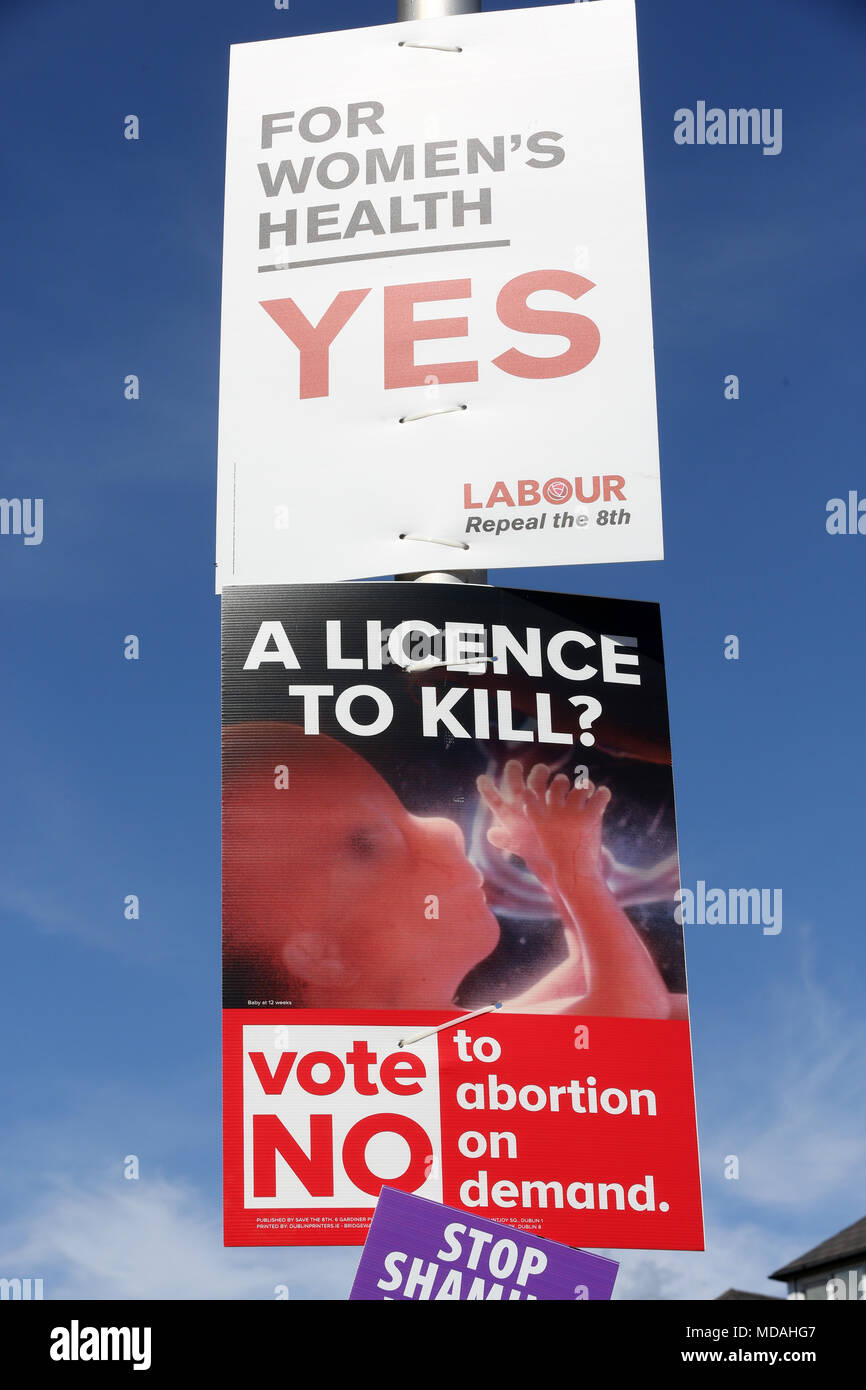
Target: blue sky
[112, 256]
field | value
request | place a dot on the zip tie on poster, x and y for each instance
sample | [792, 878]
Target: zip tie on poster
[429, 663]
[426, 414]
[439, 47]
[433, 540]
[464, 1018]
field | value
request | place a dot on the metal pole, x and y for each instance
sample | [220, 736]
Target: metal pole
[435, 9]
[438, 9]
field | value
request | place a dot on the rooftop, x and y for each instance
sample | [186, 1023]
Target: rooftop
[741, 1296]
[842, 1246]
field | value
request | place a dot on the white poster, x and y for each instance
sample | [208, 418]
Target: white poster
[436, 325]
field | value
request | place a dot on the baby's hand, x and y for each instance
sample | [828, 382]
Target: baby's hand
[554, 827]
[512, 831]
[567, 822]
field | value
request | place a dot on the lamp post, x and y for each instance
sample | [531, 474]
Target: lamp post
[435, 9]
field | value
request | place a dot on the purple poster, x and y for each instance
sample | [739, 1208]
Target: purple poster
[420, 1250]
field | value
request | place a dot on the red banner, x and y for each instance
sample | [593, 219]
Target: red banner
[580, 1129]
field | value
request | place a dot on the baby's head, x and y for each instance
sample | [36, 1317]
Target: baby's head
[333, 894]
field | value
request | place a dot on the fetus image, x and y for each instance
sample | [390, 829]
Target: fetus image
[336, 896]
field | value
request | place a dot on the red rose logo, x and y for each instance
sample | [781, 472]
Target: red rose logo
[557, 490]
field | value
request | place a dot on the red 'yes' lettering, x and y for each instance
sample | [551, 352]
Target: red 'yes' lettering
[401, 331]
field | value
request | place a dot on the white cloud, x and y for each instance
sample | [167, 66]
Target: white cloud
[795, 1102]
[736, 1257]
[119, 1239]
[73, 1220]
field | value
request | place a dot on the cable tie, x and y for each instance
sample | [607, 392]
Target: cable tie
[439, 47]
[464, 1018]
[425, 414]
[429, 663]
[433, 540]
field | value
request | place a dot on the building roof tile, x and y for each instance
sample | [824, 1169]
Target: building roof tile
[842, 1246]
